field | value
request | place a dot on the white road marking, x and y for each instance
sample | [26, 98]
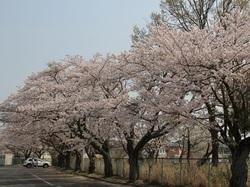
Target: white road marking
[42, 179]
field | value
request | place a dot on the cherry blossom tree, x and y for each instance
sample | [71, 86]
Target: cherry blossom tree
[136, 126]
[95, 96]
[146, 116]
[78, 101]
[73, 100]
[184, 15]
[208, 64]
[26, 113]
[170, 79]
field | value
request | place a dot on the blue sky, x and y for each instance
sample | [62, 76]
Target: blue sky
[35, 32]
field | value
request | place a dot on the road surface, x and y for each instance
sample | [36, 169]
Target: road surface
[45, 177]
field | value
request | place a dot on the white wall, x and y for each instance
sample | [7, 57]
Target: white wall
[8, 159]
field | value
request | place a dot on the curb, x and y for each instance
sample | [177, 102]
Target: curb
[104, 179]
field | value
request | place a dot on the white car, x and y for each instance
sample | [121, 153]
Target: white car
[36, 162]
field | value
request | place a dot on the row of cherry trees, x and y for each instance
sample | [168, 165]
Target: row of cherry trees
[170, 79]
[78, 103]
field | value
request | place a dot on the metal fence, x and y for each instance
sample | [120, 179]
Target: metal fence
[2, 160]
[171, 171]
[10, 159]
[17, 160]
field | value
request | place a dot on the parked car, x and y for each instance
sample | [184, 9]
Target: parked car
[36, 162]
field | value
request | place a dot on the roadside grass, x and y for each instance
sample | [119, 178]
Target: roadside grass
[163, 172]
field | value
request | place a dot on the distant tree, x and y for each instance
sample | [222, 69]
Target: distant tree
[184, 14]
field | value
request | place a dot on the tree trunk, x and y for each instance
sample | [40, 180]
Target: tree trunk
[215, 147]
[133, 167]
[108, 169]
[188, 147]
[78, 161]
[60, 160]
[239, 166]
[104, 151]
[205, 157]
[67, 160]
[39, 154]
[133, 160]
[92, 164]
[214, 134]
[91, 155]
[27, 154]
[54, 158]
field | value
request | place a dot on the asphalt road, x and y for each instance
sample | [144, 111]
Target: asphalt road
[41, 177]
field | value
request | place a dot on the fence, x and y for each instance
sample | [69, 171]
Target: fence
[17, 160]
[8, 159]
[2, 160]
[170, 172]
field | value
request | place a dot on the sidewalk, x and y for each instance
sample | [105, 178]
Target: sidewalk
[112, 180]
